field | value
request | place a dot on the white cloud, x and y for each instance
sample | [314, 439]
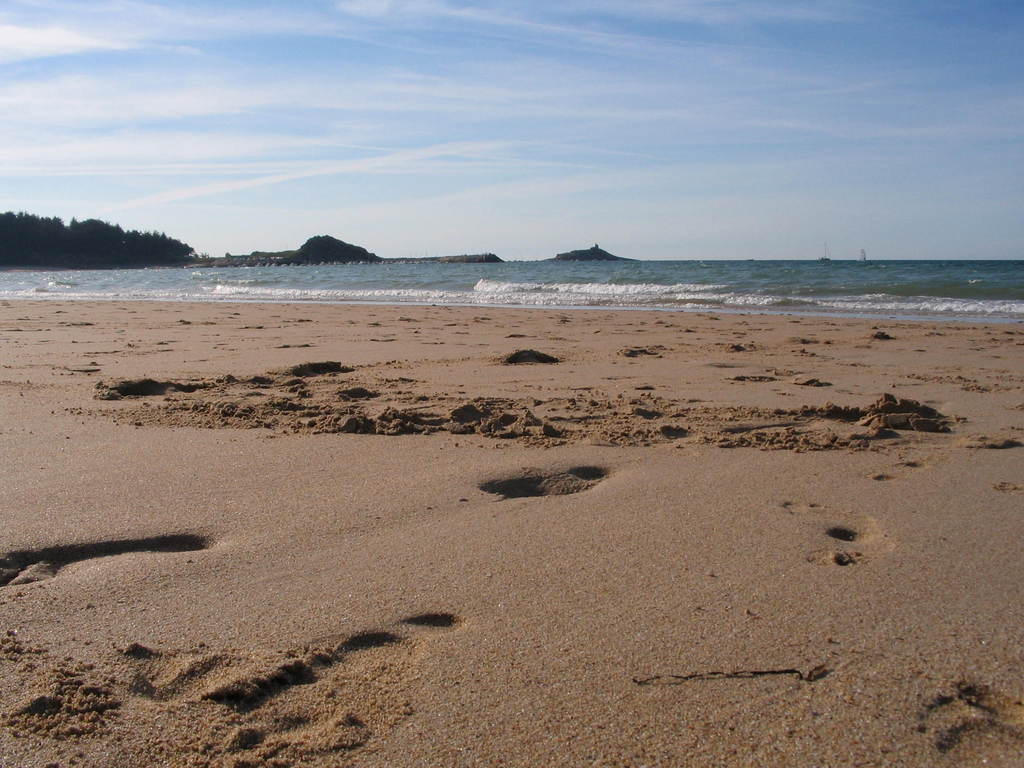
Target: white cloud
[19, 43]
[121, 24]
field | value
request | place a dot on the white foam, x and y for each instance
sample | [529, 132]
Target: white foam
[924, 305]
[594, 289]
[305, 286]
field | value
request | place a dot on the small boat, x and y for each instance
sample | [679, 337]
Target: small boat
[863, 255]
[827, 256]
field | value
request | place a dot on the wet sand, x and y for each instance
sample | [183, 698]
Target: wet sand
[690, 540]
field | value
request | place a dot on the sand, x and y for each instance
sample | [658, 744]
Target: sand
[295, 535]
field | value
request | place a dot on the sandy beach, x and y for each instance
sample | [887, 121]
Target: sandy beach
[324, 535]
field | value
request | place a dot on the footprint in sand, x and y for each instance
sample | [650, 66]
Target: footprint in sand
[27, 566]
[849, 537]
[862, 531]
[436, 620]
[844, 556]
[324, 700]
[973, 719]
[533, 482]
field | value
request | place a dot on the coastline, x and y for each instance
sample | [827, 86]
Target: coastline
[439, 623]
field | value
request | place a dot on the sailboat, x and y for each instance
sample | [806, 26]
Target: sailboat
[863, 255]
[828, 254]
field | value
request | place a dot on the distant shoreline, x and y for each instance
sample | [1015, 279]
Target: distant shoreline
[440, 260]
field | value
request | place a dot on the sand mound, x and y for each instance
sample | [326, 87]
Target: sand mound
[887, 412]
[306, 399]
[318, 369]
[810, 381]
[68, 701]
[115, 390]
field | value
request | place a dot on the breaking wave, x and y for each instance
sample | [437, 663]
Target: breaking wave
[990, 290]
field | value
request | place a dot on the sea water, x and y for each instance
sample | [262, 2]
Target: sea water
[990, 290]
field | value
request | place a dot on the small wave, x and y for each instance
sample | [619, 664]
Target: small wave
[217, 277]
[242, 285]
[778, 302]
[634, 299]
[926, 305]
[594, 289]
[913, 291]
[414, 295]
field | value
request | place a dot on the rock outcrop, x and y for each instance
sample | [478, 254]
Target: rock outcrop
[589, 254]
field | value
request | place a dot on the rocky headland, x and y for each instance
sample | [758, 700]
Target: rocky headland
[320, 249]
[596, 253]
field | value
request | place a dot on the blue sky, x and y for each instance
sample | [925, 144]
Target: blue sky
[658, 128]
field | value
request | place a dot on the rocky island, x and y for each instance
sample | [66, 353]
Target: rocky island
[324, 249]
[589, 254]
[320, 249]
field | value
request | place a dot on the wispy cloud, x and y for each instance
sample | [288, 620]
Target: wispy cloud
[163, 153]
[20, 43]
[720, 12]
[404, 159]
[554, 25]
[367, 8]
[89, 100]
[709, 12]
[142, 20]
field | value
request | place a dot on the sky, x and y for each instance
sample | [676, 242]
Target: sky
[661, 129]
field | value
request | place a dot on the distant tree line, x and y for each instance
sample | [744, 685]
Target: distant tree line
[30, 241]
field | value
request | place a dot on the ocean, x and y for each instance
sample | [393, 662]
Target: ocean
[970, 290]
